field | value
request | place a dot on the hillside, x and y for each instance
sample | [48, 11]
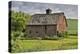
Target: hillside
[72, 26]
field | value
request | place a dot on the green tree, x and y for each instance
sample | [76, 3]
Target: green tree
[18, 24]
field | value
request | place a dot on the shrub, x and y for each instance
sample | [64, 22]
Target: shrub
[63, 34]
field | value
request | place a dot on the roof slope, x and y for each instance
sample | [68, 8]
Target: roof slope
[44, 19]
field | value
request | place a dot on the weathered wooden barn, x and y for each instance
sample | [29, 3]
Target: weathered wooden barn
[46, 24]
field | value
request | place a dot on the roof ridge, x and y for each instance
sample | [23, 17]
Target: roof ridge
[51, 13]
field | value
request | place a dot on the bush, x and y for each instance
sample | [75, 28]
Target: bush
[63, 34]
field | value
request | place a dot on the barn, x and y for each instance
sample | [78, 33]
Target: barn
[47, 24]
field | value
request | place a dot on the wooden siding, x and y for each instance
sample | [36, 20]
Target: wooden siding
[40, 30]
[61, 24]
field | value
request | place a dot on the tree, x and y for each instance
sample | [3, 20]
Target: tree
[18, 23]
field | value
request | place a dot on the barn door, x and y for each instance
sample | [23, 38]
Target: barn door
[50, 29]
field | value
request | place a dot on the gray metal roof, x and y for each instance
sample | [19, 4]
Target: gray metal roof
[42, 19]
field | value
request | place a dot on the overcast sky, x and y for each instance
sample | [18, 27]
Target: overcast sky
[70, 11]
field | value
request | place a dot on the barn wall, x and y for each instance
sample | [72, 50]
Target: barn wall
[51, 30]
[41, 30]
[61, 24]
[35, 30]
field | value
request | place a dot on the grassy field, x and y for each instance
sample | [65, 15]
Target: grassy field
[70, 42]
[72, 26]
[47, 45]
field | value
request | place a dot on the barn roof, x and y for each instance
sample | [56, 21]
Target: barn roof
[44, 19]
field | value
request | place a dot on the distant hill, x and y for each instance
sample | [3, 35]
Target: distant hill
[72, 26]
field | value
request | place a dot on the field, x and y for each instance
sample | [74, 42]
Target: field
[47, 45]
[72, 26]
[69, 42]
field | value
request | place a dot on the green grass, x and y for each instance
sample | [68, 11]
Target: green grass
[72, 26]
[47, 45]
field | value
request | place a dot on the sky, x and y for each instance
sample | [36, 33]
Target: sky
[70, 11]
